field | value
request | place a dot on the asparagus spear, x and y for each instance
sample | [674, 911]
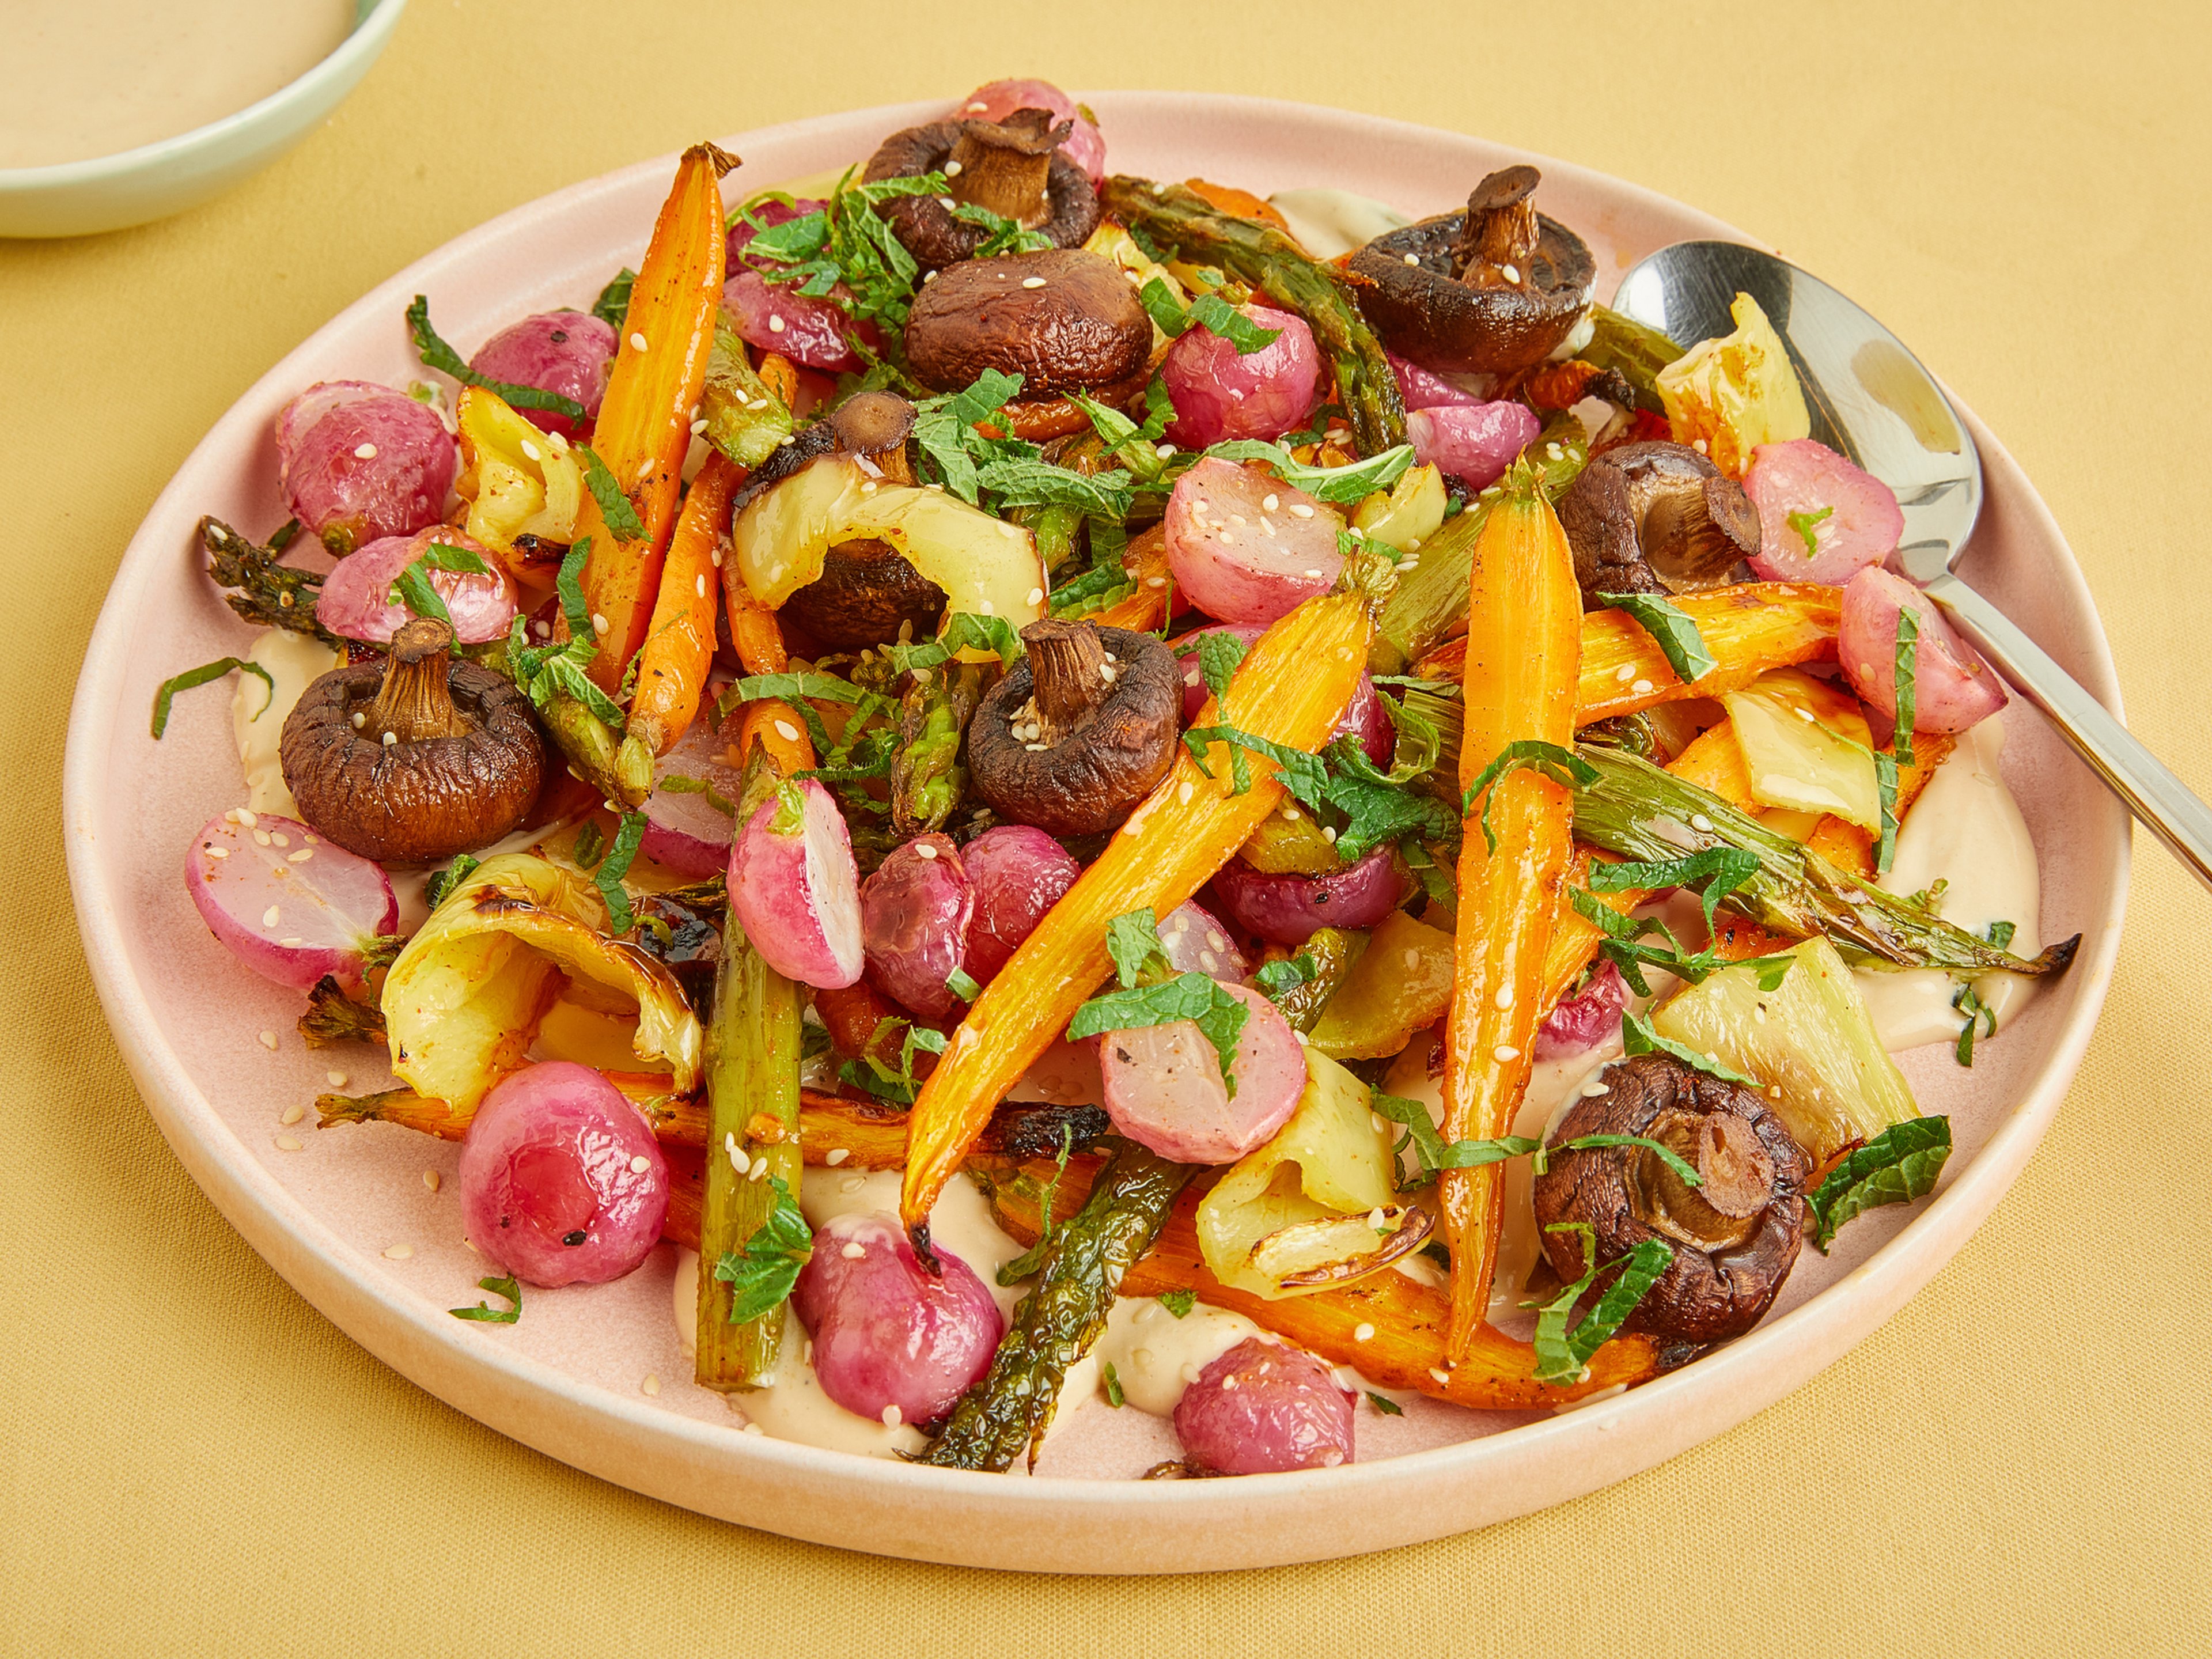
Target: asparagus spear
[1637, 351]
[926, 780]
[1009, 1411]
[621, 771]
[269, 593]
[1172, 216]
[753, 1044]
[1430, 603]
[1636, 810]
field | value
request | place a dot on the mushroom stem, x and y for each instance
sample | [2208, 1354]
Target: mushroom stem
[1499, 232]
[1068, 661]
[415, 704]
[1004, 166]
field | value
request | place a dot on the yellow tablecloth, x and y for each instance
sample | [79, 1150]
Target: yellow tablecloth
[196, 1462]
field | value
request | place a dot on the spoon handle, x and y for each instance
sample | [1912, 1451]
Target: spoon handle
[2161, 799]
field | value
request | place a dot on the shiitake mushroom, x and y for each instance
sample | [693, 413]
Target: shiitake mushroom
[1734, 1237]
[1657, 518]
[1014, 168]
[1064, 319]
[1079, 731]
[1495, 288]
[415, 757]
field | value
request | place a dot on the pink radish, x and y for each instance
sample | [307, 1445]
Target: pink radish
[811, 330]
[1585, 1020]
[1263, 1408]
[356, 597]
[1197, 943]
[1953, 687]
[997, 100]
[1238, 557]
[1472, 442]
[1423, 388]
[1804, 488]
[1163, 1086]
[1366, 722]
[356, 462]
[1291, 909]
[570, 352]
[685, 831]
[914, 912]
[1219, 393]
[890, 1336]
[1018, 873]
[795, 889]
[286, 903]
[561, 1179]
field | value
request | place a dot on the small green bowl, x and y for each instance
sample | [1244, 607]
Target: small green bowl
[108, 193]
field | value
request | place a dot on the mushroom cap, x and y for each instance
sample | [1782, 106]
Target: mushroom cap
[1657, 518]
[865, 590]
[925, 226]
[1063, 320]
[1424, 314]
[412, 802]
[1755, 1173]
[1100, 765]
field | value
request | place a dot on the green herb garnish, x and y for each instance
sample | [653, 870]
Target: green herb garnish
[612, 307]
[1195, 997]
[207, 672]
[484, 1313]
[1898, 1165]
[1384, 1404]
[1636, 1037]
[1802, 523]
[436, 353]
[1563, 766]
[1115, 1397]
[1671, 628]
[608, 878]
[614, 506]
[761, 1275]
[1179, 1302]
[444, 881]
[1564, 1351]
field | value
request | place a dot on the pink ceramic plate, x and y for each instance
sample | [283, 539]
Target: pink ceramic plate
[569, 1378]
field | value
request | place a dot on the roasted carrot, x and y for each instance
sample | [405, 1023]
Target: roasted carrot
[774, 728]
[644, 426]
[1146, 559]
[781, 375]
[1714, 761]
[1291, 689]
[680, 644]
[1524, 646]
[1574, 940]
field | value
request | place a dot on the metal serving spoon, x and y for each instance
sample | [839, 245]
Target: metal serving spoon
[1870, 399]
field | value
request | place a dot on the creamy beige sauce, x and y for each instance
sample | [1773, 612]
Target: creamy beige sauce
[1156, 1356]
[1966, 829]
[1329, 223]
[257, 714]
[94, 77]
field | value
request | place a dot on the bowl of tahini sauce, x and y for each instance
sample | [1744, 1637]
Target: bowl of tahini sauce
[117, 112]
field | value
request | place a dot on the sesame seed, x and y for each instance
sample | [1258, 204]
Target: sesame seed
[292, 1114]
[1305, 1041]
[1594, 1088]
[1698, 444]
[544, 630]
[1412, 958]
[1032, 281]
[1362, 1332]
[598, 623]
[1269, 503]
[1228, 537]
[261, 838]
[1189, 1372]
[269, 916]
[1701, 821]
[364, 451]
[1641, 687]
[1511, 273]
[637, 341]
[699, 585]
[698, 428]
[739, 1161]
[776, 324]
[651, 1385]
[870, 486]
[287, 1143]
[854, 1252]
[1300, 510]
[1311, 573]
[1184, 792]
[1034, 747]
[1208, 961]
[433, 1180]
[835, 1156]
[216, 852]
[337, 1079]
[1410, 259]
[952, 168]
[1164, 451]
[786, 731]
[291, 941]
[1328, 834]
[987, 608]
[1503, 998]
[532, 451]
[1505, 1053]
[892, 1417]
[391, 740]
[1156, 582]
[245, 816]
[760, 1168]
[398, 1252]
[1291, 813]
[925, 850]
[1552, 451]
[1107, 672]
[1036, 596]
[300, 857]
[1440, 1375]
[1625, 672]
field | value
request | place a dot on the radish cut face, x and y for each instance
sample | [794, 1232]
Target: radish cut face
[685, 831]
[1821, 518]
[1240, 559]
[1163, 1086]
[285, 901]
[796, 890]
[1953, 687]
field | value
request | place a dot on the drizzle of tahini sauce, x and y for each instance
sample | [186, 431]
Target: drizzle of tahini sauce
[1966, 829]
[294, 661]
[96, 78]
[1332, 222]
[1156, 1356]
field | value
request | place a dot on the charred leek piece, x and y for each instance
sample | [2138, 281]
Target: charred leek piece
[752, 1135]
[1637, 812]
[333, 1017]
[1637, 351]
[927, 783]
[265, 590]
[1171, 216]
[1430, 603]
[1005, 1415]
[622, 772]
[745, 419]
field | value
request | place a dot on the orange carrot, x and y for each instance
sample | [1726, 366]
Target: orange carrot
[644, 425]
[780, 376]
[1524, 646]
[1291, 689]
[772, 727]
[1146, 559]
[681, 643]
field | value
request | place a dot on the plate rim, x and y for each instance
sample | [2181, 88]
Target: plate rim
[662, 1454]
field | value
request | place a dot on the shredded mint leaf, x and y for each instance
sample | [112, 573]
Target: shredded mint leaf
[962, 986]
[612, 307]
[2001, 934]
[1977, 1012]
[961, 631]
[1194, 997]
[1031, 1260]
[1217, 316]
[1420, 1128]
[761, 1276]
[569, 583]
[1474, 1154]
[1672, 629]
[207, 672]
[1115, 1397]
[589, 847]
[1132, 940]
[1561, 766]
[1802, 523]
[1563, 1351]
[1636, 1037]
[608, 878]
[1334, 485]
[436, 353]
[614, 506]
[1277, 979]
[1218, 654]
[1898, 1165]
[1018, 482]
[1306, 776]
[1179, 1302]
[454, 560]
[1908, 640]
[1384, 1404]
[789, 818]
[411, 589]
[676, 784]
[484, 1313]
[1667, 1155]
[1105, 583]
[1722, 869]
[435, 890]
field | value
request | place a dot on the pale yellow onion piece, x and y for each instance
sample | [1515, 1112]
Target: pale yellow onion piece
[987, 567]
[464, 1001]
[1111, 242]
[1806, 747]
[1727, 396]
[1810, 1043]
[510, 491]
[1409, 514]
[1329, 1162]
[1337, 1249]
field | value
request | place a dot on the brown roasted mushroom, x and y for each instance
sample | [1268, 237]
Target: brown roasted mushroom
[1079, 731]
[1014, 168]
[1493, 288]
[1657, 518]
[1063, 320]
[1734, 1236]
[415, 758]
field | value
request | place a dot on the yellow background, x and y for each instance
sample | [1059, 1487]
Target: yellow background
[196, 1462]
